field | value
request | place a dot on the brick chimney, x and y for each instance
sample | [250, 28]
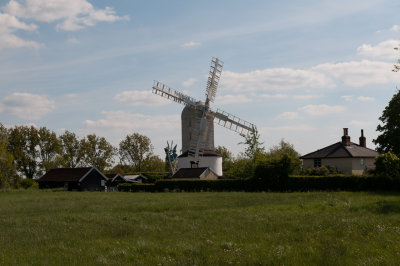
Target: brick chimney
[346, 137]
[363, 140]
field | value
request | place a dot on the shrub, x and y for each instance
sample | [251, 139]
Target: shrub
[28, 183]
[388, 164]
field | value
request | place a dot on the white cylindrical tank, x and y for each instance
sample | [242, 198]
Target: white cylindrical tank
[210, 159]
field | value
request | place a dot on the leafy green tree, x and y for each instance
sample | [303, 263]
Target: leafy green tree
[227, 158]
[396, 66]
[285, 149]
[8, 173]
[254, 148]
[134, 150]
[71, 154]
[23, 145]
[153, 163]
[97, 152]
[388, 164]
[49, 148]
[241, 168]
[389, 139]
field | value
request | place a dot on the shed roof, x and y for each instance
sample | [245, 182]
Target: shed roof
[67, 174]
[339, 150]
[112, 177]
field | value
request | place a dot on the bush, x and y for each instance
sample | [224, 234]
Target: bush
[320, 171]
[28, 183]
[388, 165]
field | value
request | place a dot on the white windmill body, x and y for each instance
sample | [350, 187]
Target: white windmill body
[198, 123]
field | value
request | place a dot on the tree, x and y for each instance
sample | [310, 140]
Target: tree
[97, 152]
[227, 158]
[388, 164]
[134, 149]
[71, 153]
[389, 139]
[285, 149]
[8, 173]
[396, 66]
[254, 148]
[23, 145]
[49, 148]
[153, 163]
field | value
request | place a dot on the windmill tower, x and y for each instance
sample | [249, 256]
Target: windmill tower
[198, 123]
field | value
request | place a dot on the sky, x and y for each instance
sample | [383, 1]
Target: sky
[299, 70]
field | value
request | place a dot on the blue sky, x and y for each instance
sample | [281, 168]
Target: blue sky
[298, 70]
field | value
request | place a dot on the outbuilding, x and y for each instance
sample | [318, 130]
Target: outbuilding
[83, 178]
[113, 181]
[346, 156]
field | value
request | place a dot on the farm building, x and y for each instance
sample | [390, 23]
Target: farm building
[348, 157]
[195, 173]
[84, 178]
[113, 181]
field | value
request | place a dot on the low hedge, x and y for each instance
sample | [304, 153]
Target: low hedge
[293, 183]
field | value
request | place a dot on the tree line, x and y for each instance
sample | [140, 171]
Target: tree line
[26, 151]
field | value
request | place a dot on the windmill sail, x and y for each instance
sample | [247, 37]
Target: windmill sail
[169, 93]
[232, 122]
[213, 78]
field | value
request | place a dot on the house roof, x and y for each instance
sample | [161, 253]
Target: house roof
[339, 150]
[65, 174]
[190, 172]
[112, 177]
[68, 174]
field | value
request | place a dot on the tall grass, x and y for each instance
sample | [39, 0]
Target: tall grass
[93, 228]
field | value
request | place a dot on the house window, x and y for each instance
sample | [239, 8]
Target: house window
[317, 162]
[362, 161]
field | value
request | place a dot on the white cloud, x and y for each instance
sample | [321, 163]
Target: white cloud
[231, 99]
[190, 44]
[74, 14]
[395, 28]
[347, 98]
[360, 73]
[140, 98]
[274, 79]
[290, 96]
[266, 130]
[365, 99]
[73, 41]
[189, 82]
[322, 109]
[27, 105]
[357, 123]
[383, 50]
[120, 122]
[327, 75]
[8, 25]
[289, 116]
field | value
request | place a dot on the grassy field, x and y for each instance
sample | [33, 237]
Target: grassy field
[91, 228]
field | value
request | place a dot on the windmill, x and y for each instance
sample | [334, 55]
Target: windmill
[197, 122]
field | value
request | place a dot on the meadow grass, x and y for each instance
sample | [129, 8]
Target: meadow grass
[94, 228]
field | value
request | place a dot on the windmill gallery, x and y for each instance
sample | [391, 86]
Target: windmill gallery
[197, 121]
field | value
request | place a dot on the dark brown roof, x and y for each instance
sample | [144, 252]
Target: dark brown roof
[190, 172]
[65, 174]
[339, 150]
[204, 153]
